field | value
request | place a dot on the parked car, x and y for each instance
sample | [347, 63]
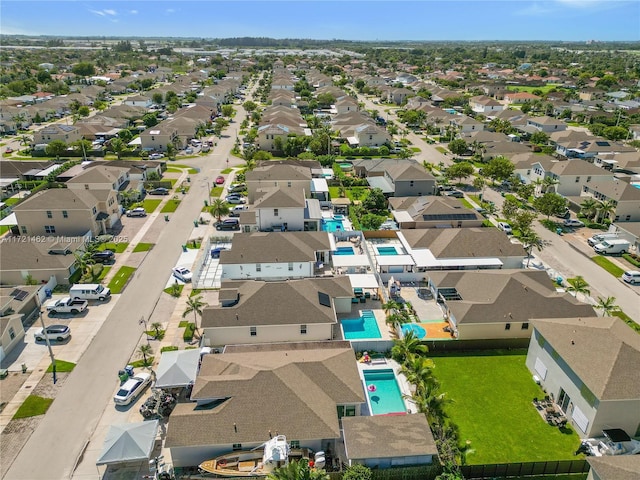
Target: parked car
[133, 387]
[236, 200]
[89, 291]
[67, 305]
[53, 332]
[600, 237]
[156, 156]
[505, 227]
[455, 194]
[612, 246]
[570, 222]
[8, 150]
[103, 256]
[137, 212]
[215, 252]
[235, 211]
[237, 187]
[565, 214]
[183, 274]
[228, 224]
[159, 191]
[632, 277]
[188, 150]
[219, 180]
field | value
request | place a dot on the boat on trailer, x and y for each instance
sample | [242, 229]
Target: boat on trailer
[256, 463]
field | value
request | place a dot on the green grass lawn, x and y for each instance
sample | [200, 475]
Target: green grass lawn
[12, 201]
[216, 192]
[174, 290]
[492, 405]
[103, 274]
[192, 171]
[544, 89]
[4, 229]
[62, 366]
[143, 247]
[466, 203]
[352, 193]
[227, 171]
[171, 206]
[118, 247]
[150, 204]
[117, 283]
[33, 406]
[608, 265]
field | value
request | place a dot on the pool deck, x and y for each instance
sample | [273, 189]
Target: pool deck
[378, 313]
[436, 330]
[386, 364]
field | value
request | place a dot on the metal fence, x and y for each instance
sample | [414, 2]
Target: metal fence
[511, 470]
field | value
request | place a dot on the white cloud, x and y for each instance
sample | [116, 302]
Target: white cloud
[133, 12]
[169, 10]
[535, 9]
[104, 13]
[110, 12]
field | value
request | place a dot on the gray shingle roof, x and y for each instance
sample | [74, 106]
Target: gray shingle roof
[60, 199]
[618, 467]
[260, 247]
[464, 242]
[579, 341]
[290, 392]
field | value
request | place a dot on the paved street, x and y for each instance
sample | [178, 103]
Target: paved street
[58, 443]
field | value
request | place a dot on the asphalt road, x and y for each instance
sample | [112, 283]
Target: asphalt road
[57, 444]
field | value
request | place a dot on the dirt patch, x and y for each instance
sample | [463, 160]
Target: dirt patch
[46, 388]
[9, 386]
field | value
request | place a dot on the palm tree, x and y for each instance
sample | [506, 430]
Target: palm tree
[219, 208]
[144, 350]
[84, 262]
[391, 305]
[538, 182]
[405, 348]
[605, 209]
[298, 470]
[607, 305]
[531, 240]
[578, 285]
[589, 208]
[195, 306]
[156, 326]
[548, 183]
[419, 372]
[117, 146]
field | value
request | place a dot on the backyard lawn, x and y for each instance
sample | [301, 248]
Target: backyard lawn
[492, 405]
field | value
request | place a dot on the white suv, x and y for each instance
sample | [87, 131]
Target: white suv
[505, 227]
[632, 277]
[133, 387]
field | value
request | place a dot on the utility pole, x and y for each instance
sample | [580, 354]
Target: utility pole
[47, 341]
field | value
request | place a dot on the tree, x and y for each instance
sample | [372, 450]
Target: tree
[458, 146]
[375, 201]
[550, 204]
[607, 306]
[125, 135]
[589, 208]
[578, 285]
[499, 169]
[250, 106]
[357, 471]
[548, 183]
[407, 347]
[150, 120]
[157, 98]
[219, 208]
[522, 220]
[117, 146]
[145, 351]
[157, 330]
[510, 208]
[56, 148]
[605, 209]
[539, 138]
[84, 111]
[371, 221]
[524, 191]
[84, 69]
[298, 470]
[459, 170]
[227, 110]
[531, 240]
[195, 306]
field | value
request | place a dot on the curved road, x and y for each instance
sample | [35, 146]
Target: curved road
[57, 444]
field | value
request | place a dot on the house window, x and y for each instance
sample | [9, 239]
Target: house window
[275, 212]
[65, 214]
[525, 326]
[588, 178]
[291, 266]
[577, 179]
[94, 210]
[253, 331]
[49, 214]
[258, 267]
[507, 326]
[295, 444]
[12, 333]
[627, 218]
[23, 230]
[289, 184]
[237, 446]
[350, 411]
[49, 229]
[86, 186]
[153, 139]
[411, 183]
[303, 329]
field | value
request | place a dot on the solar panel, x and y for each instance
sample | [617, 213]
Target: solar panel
[19, 294]
[324, 299]
[602, 144]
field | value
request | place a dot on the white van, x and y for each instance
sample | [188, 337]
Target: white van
[89, 291]
[601, 237]
[612, 246]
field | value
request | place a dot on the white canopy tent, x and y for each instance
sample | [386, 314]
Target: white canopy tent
[363, 280]
[129, 442]
[177, 368]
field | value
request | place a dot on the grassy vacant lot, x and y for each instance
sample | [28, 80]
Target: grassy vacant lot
[118, 282]
[544, 89]
[33, 406]
[170, 206]
[492, 404]
[608, 265]
[143, 247]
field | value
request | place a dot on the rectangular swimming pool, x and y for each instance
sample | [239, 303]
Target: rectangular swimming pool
[383, 392]
[359, 328]
[331, 225]
[387, 251]
[344, 251]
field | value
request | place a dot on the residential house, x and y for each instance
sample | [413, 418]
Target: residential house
[572, 144]
[485, 105]
[39, 261]
[519, 98]
[628, 162]
[500, 304]
[396, 177]
[275, 255]
[317, 384]
[100, 177]
[465, 124]
[255, 311]
[571, 175]
[623, 195]
[346, 104]
[69, 212]
[272, 137]
[369, 135]
[158, 137]
[592, 394]
[290, 174]
[432, 212]
[11, 332]
[281, 208]
[614, 467]
[66, 133]
[547, 124]
[17, 307]
[408, 441]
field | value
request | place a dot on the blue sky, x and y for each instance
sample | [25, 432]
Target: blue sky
[329, 19]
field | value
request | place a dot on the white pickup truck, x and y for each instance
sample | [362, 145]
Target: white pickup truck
[67, 305]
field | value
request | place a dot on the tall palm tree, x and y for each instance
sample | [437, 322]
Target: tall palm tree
[407, 347]
[419, 372]
[578, 285]
[391, 305]
[195, 306]
[298, 470]
[219, 208]
[145, 351]
[548, 183]
[607, 306]
[605, 209]
[589, 208]
[530, 240]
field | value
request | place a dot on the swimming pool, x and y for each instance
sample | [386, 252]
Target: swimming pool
[344, 251]
[452, 111]
[332, 225]
[417, 330]
[338, 217]
[346, 166]
[387, 251]
[363, 327]
[383, 392]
